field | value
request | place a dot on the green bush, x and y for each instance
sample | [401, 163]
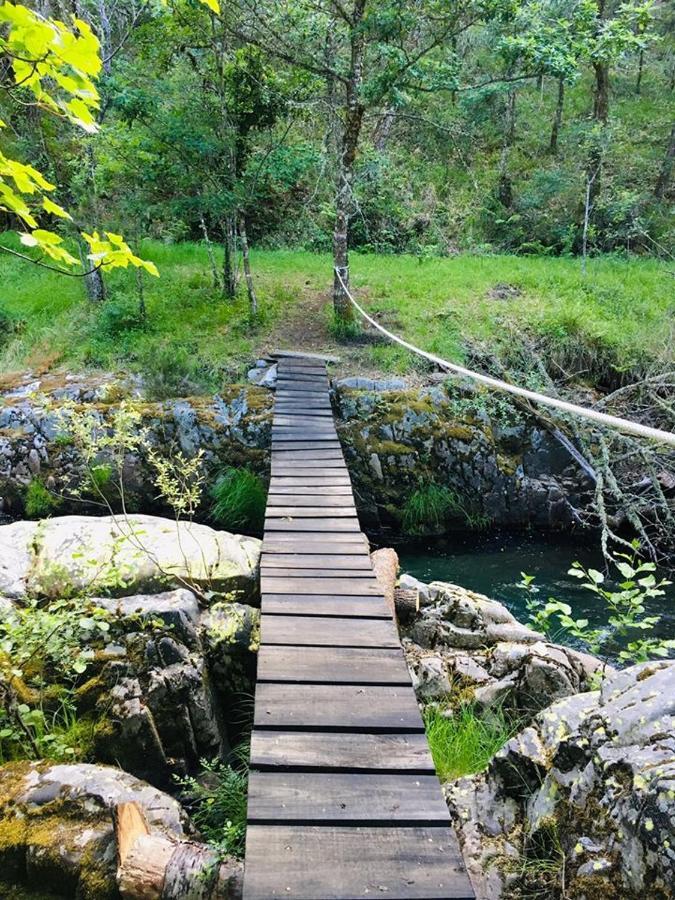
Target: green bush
[217, 802]
[39, 501]
[170, 371]
[120, 315]
[466, 741]
[239, 501]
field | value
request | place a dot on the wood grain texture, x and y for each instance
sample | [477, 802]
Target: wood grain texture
[346, 561]
[337, 707]
[407, 753]
[313, 526]
[335, 798]
[332, 665]
[341, 863]
[326, 605]
[317, 631]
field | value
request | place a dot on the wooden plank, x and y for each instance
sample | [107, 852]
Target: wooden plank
[313, 525]
[309, 512]
[340, 587]
[363, 607]
[298, 389]
[312, 560]
[305, 443]
[319, 631]
[295, 455]
[303, 419]
[343, 863]
[332, 665]
[352, 752]
[341, 798]
[276, 500]
[320, 572]
[336, 707]
[318, 491]
[316, 479]
[316, 543]
[312, 467]
[302, 377]
[295, 355]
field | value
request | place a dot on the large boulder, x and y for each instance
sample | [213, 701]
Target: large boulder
[455, 637]
[123, 554]
[582, 802]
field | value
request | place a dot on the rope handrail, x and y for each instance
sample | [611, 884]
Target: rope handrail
[624, 425]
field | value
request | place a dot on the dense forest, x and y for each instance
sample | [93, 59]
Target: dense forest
[425, 127]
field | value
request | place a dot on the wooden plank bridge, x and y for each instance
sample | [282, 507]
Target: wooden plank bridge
[343, 802]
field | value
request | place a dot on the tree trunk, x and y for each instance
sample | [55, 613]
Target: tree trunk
[505, 188]
[638, 83]
[250, 287]
[344, 312]
[383, 129]
[209, 252]
[601, 116]
[663, 181]
[93, 280]
[229, 271]
[557, 119]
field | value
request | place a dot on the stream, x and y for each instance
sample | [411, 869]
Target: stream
[492, 564]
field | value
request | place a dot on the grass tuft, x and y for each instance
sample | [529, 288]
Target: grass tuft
[465, 742]
[428, 509]
[239, 500]
[39, 501]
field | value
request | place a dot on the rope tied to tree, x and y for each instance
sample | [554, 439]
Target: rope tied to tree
[626, 426]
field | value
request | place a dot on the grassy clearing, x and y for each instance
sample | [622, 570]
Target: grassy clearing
[619, 313]
[465, 742]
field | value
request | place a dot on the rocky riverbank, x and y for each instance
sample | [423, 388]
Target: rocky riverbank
[578, 804]
[497, 465]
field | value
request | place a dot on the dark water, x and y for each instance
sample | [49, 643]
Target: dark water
[492, 564]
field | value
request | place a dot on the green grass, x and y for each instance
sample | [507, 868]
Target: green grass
[428, 508]
[239, 501]
[465, 742]
[619, 314]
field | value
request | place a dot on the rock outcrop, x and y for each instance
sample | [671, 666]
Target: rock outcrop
[123, 554]
[580, 804]
[500, 466]
[56, 829]
[461, 640]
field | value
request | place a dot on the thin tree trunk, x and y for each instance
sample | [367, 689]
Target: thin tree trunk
[93, 280]
[246, 261]
[209, 251]
[505, 188]
[343, 309]
[383, 129]
[229, 273]
[557, 119]
[142, 311]
[588, 205]
[663, 181]
[601, 116]
[638, 83]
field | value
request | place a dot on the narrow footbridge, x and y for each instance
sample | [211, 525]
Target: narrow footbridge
[343, 799]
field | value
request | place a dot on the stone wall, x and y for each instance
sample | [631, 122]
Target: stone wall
[501, 467]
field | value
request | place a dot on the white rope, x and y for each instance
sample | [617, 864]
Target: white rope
[624, 425]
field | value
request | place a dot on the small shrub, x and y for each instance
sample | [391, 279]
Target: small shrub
[465, 742]
[239, 500]
[119, 316]
[216, 801]
[170, 372]
[39, 501]
[428, 509]
[345, 331]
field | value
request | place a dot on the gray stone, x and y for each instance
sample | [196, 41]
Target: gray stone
[70, 554]
[178, 609]
[370, 384]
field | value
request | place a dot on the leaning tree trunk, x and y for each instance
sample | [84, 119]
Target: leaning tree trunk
[343, 309]
[246, 261]
[663, 181]
[557, 120]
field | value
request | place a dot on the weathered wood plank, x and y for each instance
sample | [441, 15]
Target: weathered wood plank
[318, 631]
[270, 560]
[276, 500]
[337, 797]
[306, 443]
[316, 543]
[340, 587]
[332, 665]
[320, 572]
[319, 491]
[309, 512]
[326, 605]
[314, 525]
[301, 355]
[336, 707]
[353, 752]
[314, 468]
[341, 863]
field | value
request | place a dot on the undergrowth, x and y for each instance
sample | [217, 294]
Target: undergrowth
[464, 741]
[239, 501]
[217, 800]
